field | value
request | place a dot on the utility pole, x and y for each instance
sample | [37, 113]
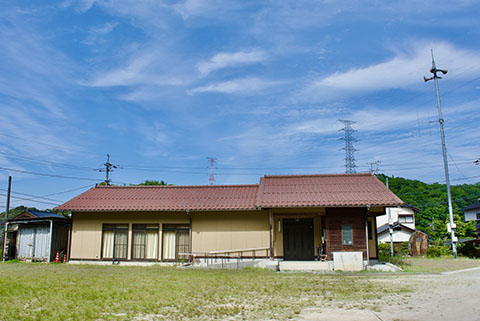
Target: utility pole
[7, 211]
[349, 149]
[390, 225]
[451, 226]
[108, 169]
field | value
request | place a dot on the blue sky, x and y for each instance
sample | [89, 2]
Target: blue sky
[259, 85]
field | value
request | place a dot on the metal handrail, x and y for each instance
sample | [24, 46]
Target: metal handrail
[225, 255]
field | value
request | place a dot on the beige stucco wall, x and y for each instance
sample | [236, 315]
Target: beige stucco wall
[87, 229]
[218, 231]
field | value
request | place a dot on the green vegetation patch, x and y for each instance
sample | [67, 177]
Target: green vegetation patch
[79, 292]
[440, 264]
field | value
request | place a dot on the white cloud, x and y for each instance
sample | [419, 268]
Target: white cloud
[404, 69]
[226, 59]
[237, 86]
[150, 67]
[103, 29]
[216, 9]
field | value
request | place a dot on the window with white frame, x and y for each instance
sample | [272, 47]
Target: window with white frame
[405, 219]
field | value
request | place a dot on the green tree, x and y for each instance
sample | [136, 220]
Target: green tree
[431, 200]
[152, 183]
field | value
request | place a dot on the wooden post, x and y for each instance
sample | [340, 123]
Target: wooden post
[270, 219]
[366, 234]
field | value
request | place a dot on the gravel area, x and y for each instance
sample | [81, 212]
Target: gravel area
[436, 297]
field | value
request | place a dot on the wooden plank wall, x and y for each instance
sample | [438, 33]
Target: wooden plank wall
[334, 219]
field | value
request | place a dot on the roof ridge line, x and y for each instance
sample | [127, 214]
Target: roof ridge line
[319, 175]
[177, 186]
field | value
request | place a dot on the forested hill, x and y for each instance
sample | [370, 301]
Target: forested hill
[431, 200]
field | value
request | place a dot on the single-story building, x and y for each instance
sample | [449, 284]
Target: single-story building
[37, 236]
[290, 217]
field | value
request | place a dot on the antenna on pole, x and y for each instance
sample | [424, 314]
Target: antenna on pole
[108, 169]
[451, 226]
[211, 163]
[349, 149]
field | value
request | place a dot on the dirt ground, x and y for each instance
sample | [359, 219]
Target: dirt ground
[436, 297]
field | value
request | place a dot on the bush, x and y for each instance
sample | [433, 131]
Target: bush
[438, 250]
[384, 247]
[403, 249]
[468, 250]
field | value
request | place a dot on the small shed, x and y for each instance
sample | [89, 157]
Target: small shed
[418, 244]
[37, 236]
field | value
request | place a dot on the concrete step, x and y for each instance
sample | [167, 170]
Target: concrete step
[305, 266]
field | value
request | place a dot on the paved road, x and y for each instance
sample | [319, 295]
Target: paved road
[449, 296]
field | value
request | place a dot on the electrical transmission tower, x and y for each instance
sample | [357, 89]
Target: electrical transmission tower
[211, 163]
[451, 226]
[108, 169]
[349, 149]
[374, 167]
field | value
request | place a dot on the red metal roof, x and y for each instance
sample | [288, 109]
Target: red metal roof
[333, 190]
[274, 191]
[165, 198]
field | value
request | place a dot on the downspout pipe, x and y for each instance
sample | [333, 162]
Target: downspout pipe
[366, 234]
[68, 240]
[190, 234]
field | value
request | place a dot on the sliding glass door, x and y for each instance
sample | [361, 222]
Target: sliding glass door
[176, 242]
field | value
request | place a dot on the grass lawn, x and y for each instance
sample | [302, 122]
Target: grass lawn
[39, 291]
[442, 264]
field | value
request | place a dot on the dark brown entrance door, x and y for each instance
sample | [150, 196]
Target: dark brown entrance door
[298, 239]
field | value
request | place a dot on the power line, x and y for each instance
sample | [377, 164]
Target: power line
[36, 197]
[51, 145]
[30, 195]
[44, 162]
[38, 201]
[49, 175]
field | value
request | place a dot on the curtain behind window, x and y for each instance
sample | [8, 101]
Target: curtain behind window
[107, 250]
[121, 240]
[169, 245]
[182, 244]
[151, 247]
[138, 245]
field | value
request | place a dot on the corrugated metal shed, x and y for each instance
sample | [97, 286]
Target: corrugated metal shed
[39, 235]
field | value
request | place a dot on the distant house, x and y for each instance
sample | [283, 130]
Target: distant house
[37, 236]
[472, 213]
[403, 224]
[285, 217]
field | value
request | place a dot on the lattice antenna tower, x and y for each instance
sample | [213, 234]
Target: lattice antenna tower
[349, 149]
[211, 166]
